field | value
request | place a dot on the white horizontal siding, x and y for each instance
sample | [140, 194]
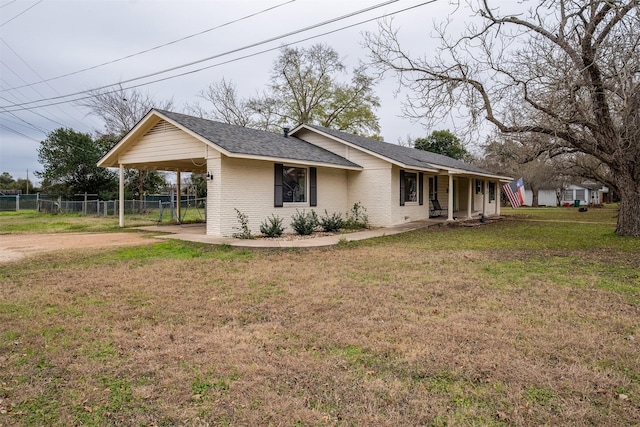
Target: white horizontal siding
[322, 141]
[160, 145]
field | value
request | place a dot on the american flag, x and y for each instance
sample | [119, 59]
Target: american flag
[515, 192]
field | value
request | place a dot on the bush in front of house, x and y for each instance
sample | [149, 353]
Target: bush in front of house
[331, 223]
[272, 226]
[357, 217]
[303, 222]
[243, 231]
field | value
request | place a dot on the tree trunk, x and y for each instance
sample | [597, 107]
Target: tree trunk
[534, 197]
[629, 214]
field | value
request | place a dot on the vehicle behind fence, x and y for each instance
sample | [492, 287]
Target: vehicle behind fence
[156, 208]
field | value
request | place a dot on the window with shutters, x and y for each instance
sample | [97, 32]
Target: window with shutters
[295, 184]
[411, 188]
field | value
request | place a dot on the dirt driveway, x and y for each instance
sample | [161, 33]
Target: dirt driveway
[17, 246]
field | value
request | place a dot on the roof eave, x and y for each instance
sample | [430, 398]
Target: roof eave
[364, 150]
[292, 160]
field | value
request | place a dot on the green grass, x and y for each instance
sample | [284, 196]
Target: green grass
[30, 221]
[527, 321]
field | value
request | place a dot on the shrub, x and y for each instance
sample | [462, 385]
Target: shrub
[272, 226]
[331, 223]
[356, 217]
[244, 232]
[304, 223]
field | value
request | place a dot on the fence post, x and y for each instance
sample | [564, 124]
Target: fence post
[17, 202]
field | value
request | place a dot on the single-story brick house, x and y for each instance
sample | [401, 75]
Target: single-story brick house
[311, 167]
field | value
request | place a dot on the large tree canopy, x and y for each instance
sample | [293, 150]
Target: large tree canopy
[69, 159]
[305, 87]
[563, 76]
[443, 142]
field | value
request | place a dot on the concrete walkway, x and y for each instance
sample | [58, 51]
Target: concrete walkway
[196, 233]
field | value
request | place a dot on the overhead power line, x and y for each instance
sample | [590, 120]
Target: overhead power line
[150, 49]
[28, 105]
[21, 13]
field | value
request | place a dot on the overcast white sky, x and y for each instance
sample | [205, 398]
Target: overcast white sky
[45, 39]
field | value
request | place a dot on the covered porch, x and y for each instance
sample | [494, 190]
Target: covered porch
[463, 196]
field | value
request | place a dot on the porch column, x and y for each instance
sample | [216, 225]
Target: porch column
[497, 194]
[485, 196]
[121, 197]
[178, 197]
[469, 198]
[450, 199]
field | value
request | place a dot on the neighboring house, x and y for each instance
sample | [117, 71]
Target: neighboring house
[546, 197]
[312, 167]
[586, 193]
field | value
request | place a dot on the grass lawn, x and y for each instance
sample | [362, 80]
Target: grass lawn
[533, 320]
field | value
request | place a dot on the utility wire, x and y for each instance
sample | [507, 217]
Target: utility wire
[33, 88]
[150, 49]
[17, 132]
[272, 39]
[21, 13]
[7, 4]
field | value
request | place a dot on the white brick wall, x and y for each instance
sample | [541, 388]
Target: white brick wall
[371, 189]
[248, 185]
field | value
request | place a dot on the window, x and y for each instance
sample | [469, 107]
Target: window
[479, 186]
[295, 184]
[433, 187]
[410, 185]
[567, 195]
[580, 195]
[492, 191]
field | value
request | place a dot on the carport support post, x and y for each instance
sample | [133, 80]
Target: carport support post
[121, 196]
[469, 198]
[450, 199]
[178, 196]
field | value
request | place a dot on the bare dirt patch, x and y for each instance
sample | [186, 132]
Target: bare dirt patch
[17, 246]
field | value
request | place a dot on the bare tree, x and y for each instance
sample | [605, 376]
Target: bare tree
[509, 157]
[122, 108]
[304, 88]
[226, 106]
[564, 72]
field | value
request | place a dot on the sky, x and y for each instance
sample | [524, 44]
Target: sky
[51, 51]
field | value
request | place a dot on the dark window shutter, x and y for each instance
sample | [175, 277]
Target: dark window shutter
[277, 190]
[313, 187]
[421, 188]
[401, 188]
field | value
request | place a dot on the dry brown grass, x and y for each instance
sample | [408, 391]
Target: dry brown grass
[391, 332]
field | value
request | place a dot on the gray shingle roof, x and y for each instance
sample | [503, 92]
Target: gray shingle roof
[242, 140]
[405, 155]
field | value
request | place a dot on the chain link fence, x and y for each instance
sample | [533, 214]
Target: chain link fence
[155, 208]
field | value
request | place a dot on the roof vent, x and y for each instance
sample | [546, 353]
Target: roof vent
[286, 132]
